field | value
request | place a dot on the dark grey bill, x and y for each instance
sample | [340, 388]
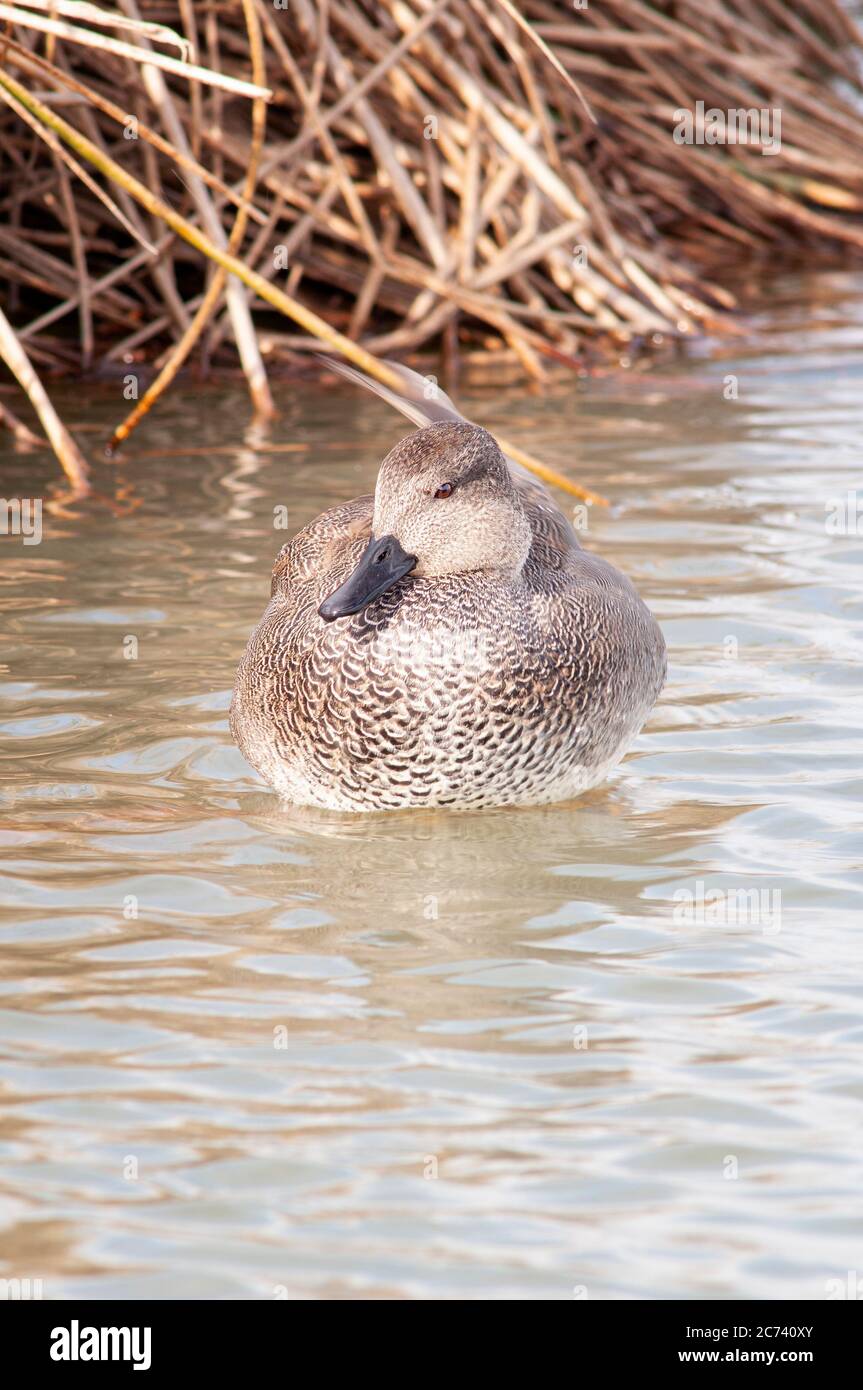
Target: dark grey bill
[382, 564]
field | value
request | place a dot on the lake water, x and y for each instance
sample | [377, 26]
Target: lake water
[607, 1049]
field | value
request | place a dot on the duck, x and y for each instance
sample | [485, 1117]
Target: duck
[446, 641]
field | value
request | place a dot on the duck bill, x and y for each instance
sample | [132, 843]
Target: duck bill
[382, 564]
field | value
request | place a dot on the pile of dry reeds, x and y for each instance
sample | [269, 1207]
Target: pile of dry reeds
[394, 173]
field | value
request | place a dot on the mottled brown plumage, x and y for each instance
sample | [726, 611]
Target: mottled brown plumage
[507, 667]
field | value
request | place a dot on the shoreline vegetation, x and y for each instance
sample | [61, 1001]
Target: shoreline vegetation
[261, 180]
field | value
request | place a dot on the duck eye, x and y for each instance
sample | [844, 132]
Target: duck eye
[445, 489]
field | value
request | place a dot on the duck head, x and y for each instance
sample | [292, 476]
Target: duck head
[445, 503]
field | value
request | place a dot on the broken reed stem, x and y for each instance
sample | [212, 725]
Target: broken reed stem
[238, 307]
[105, 44]
[72, 461]
[195, 237]
[65, 80]
[308, 320]
[433, 166]
[214, 292]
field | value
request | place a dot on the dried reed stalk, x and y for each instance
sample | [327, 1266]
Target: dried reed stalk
[473, 173]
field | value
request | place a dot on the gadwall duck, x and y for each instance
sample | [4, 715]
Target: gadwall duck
[446, 642]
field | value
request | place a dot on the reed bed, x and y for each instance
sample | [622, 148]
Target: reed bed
[391, 176]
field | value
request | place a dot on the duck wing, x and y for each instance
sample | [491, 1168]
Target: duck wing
[322, 554]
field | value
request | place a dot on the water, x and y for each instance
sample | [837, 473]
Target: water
[513, 1054]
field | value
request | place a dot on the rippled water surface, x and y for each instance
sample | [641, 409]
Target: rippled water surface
[612, 1046]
